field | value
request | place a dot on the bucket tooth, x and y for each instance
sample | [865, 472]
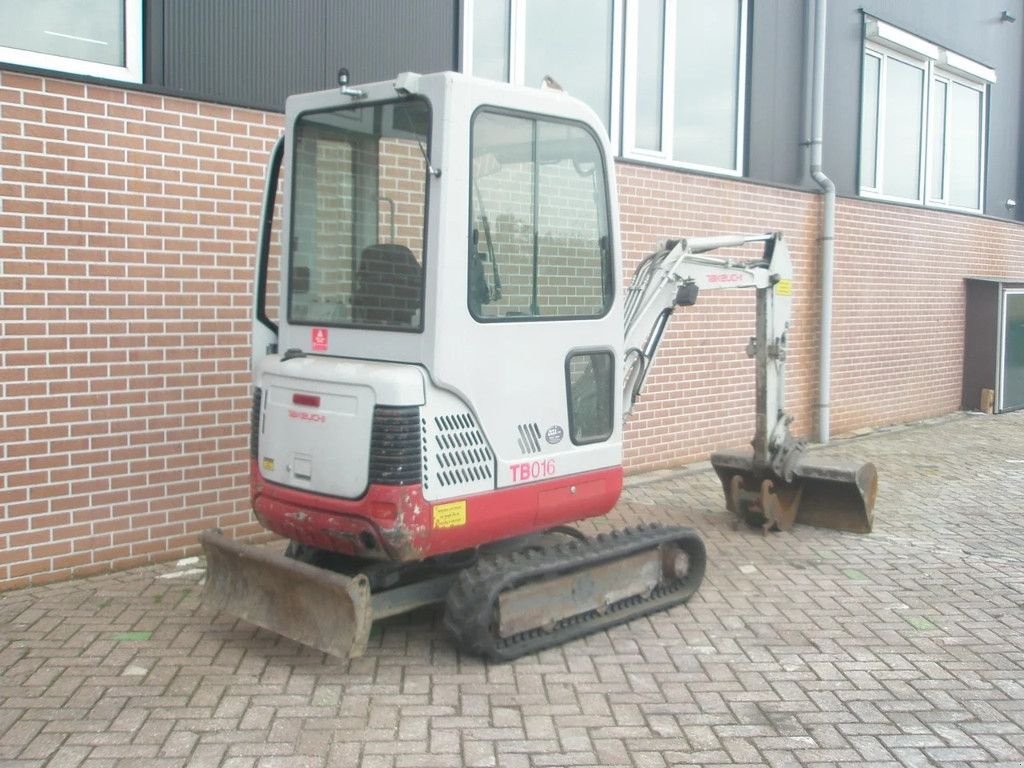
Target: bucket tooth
[827, 494]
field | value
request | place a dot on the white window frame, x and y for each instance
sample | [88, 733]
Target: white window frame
[517, 55]
[130, 73]
[668, 68]
[885, 42]
[950, 80]
[885, 55]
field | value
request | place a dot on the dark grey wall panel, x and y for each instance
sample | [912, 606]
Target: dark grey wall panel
[843, 65]
[776, 92]
[249, 53]
[257, 52]
[377, 40]
[153, 41]
[972, 29]
[1020, 169]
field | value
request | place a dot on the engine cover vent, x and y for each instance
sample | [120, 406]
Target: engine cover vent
[457, 458]
[529, 439]
[254, 422]
[395, 446]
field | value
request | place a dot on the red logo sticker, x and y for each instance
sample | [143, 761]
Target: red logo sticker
[317, 418]
[728, 277]
[319, 338]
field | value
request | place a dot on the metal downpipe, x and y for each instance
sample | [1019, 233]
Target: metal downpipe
[828, 222]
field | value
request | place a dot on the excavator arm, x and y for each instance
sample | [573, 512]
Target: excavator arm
[774, 485]
[674, 276]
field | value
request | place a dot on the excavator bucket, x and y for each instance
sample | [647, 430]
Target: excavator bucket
[319, 608]
[827, 494]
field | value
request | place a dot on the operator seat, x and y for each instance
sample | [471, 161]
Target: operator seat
[388, 287]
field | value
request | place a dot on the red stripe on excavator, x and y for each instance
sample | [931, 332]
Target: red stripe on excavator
[396, 523]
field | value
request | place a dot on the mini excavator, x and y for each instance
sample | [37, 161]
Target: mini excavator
[442, 366]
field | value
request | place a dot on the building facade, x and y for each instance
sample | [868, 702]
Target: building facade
[133, 141]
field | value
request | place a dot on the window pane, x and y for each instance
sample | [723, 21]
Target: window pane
[650, 49]
[937, 150]
[591, 386]
[501, 209]
[707, 82]
[572, 229]
[571, 40]
[904, 99]
[90, 30]
[490, 39]
[539, 221]
[965, 146]
[358, 214]
[1012, 394]
[869, 123]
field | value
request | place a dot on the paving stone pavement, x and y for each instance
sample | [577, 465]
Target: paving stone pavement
[904, 647]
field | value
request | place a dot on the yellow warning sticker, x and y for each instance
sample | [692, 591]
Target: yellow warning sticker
[450, 515]
[784, 288]
[268, 464]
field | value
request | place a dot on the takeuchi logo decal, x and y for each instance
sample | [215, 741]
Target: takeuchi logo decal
[316, 418]
[728, 277]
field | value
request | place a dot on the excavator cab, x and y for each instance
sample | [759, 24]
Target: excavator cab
[443, 370]
[441, 385]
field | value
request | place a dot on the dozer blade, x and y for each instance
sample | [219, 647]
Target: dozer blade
[313, 606]
[827, 494]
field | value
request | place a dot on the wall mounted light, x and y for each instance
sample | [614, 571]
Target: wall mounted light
[1007, 17]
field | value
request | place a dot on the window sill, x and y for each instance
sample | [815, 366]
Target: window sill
[675, 165]
[915, 203]
[59, 65]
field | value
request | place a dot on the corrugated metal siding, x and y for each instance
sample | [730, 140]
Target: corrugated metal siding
[776, 91]
[255, 53]
[377, 40]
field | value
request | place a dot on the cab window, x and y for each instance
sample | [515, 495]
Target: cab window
[539, 220]
[359, 200]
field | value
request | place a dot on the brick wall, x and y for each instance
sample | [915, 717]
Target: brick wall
[699, 395]
[899, 331]
[128, 226]
[128, 223]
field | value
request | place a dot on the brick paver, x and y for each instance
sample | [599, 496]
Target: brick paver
[810, 648]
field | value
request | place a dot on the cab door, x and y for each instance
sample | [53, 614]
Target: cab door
[541, 331]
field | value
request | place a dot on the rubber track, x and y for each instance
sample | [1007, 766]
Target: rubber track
[471, 610]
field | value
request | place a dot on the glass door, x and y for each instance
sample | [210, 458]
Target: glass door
[1011, 390]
